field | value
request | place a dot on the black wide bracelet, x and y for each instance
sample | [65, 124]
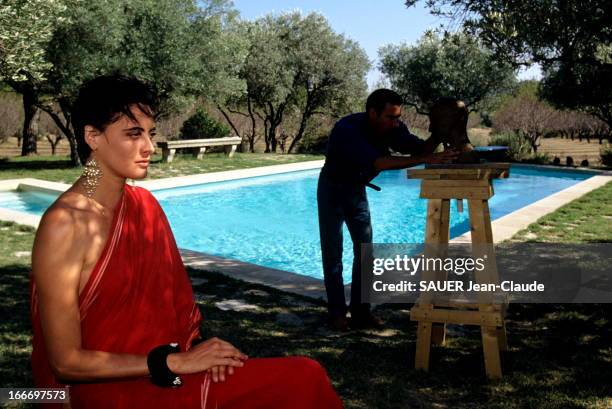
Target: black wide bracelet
[161, 375]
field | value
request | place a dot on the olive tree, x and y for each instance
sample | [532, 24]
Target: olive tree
[172, 44]
[26, 27]
[570, 40]
[298, 65]
[454, 65]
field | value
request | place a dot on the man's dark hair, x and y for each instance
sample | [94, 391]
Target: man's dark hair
[380, 98]
[102, 101]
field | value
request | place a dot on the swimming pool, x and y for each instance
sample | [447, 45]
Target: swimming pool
[272, 220]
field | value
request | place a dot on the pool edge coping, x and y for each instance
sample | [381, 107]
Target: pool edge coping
[503, 227]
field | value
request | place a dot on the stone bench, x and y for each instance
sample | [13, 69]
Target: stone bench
[199, 146]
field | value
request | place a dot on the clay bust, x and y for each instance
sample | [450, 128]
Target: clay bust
[448, 119]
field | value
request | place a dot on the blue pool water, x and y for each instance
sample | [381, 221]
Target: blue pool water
[272, 220]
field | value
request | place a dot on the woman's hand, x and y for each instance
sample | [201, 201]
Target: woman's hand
[214, 355]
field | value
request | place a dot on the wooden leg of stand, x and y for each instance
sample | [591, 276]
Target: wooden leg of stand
[480, 224]
[423, 346]
[437, 234]
[438, 334]
[503, 340]
[490, 347]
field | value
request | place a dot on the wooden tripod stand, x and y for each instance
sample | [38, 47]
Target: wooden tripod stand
[440, 184]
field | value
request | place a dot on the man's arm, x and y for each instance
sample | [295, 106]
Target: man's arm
[401, 162]
[421, 151]
[403, 141]
[57, 260]
[430, 145]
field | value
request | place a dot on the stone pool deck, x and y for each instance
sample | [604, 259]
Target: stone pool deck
[503, 227]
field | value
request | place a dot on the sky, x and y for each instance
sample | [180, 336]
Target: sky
[371, 23]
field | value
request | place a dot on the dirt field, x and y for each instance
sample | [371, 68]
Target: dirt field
[577, 150]
[9, 148]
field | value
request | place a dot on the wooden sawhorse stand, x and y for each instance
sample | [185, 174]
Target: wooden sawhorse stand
[440, 184]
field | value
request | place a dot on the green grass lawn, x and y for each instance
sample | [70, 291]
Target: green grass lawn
[560, 355]
[58, 169]
[584, 220]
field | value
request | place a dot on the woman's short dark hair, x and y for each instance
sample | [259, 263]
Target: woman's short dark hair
[381, 97]
[102, 101]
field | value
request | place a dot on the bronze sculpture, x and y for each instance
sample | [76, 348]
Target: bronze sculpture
[448, 119]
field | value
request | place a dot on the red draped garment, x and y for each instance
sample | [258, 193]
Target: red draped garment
[139, 296]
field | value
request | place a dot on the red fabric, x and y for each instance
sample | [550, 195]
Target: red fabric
[266, 383]
[139, 296]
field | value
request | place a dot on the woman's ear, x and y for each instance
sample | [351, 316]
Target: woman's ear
[91, 137]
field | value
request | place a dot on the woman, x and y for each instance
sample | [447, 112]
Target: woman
[112, 306]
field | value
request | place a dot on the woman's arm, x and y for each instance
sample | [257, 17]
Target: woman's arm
[58, 257]
[57, 261]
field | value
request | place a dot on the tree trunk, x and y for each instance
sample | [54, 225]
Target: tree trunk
[253, 126]
[266, 136]
[300, 133]
[229, 120]
[54, 142]
[272, 138]
[534, 142]
[308, 112]
[233, 126]
[275, 118]
[28, 136]
[74, 156]
[67, 131]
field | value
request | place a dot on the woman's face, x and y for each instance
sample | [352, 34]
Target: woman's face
[125, 147]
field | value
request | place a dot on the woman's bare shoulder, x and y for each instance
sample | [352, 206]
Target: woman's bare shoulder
[66, 219]
[69, 208]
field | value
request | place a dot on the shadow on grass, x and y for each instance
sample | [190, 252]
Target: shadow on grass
[43, 164]
[15, 330]
[559, 355]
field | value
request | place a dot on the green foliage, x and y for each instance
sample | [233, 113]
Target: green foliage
[316, 136]
[606, 155]
[26, 27]
[580, 86]
[539, 158]
[570, 40]
[299, 64]
[161, 42]
[222, 45]
[455, 65]
[183, 48]
[519, 148]
[201, 125]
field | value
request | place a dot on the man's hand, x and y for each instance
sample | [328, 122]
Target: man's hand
[446, 156]
[214, 355]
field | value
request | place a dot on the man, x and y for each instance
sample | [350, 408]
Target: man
[113, 313]
[358, 150]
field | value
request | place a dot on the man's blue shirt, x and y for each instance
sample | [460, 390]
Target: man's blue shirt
[352, 149]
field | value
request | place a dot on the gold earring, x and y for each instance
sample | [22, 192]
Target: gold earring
[91, 177]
